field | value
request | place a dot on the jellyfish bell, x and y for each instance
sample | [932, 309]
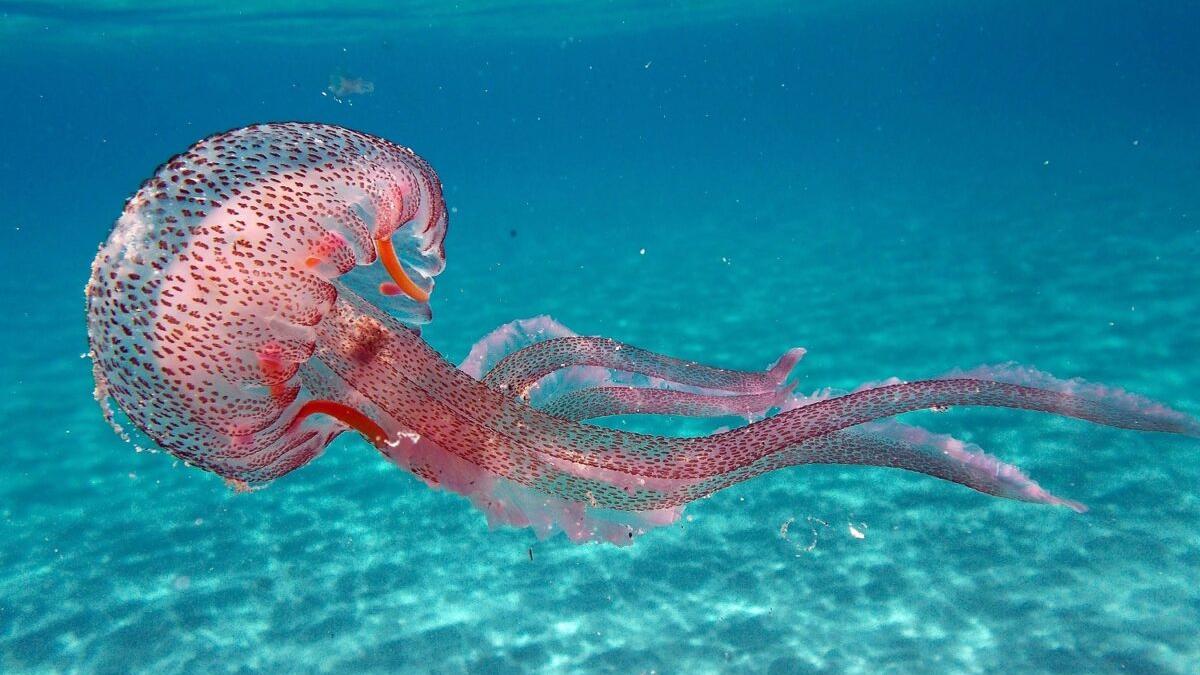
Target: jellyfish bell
[203, 299]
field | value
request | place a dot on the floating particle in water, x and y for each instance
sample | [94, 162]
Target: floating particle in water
[857, 530]
[342, 87]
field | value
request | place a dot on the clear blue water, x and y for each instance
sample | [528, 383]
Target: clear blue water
[901, 188]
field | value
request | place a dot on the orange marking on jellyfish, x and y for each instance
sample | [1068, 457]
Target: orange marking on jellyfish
[351, 417]
[272, 367]
[387, 255]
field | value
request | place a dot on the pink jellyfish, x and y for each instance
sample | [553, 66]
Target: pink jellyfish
[235, 317]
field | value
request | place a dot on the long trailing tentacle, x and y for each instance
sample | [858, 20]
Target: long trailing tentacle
[611, 469]
[697, 459]
[887, 443]
[1004, 386]
[595, 402]
[737, 448]
[519, 371]
[884, 443]
[711, 456]
[572, 390]
[900, 446]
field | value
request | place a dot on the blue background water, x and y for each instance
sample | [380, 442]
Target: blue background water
[900, 187]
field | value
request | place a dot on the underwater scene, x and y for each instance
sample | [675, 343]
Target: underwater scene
[618, 337]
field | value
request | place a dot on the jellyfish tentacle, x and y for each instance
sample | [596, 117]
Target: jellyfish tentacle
[519, 371]
[519, 335]
[513, 423]
[729, 450]
[898, 446]
[893, 444]
[591, 477]
[595, 402]
[885, 443]
[894, 399]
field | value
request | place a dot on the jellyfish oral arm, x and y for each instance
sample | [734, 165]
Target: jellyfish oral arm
[594, 402]
[520, 370]
[525, 459]
[516, 430]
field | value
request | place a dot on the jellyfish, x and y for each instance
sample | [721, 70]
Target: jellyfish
[264, 292]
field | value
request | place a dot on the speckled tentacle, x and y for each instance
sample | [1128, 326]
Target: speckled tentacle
[610, 469]
[739, 447]
[573, 391]
[700, 458]
[519, 371]
[595, 402]
[898, 446]
[522, 457]
[885, 443]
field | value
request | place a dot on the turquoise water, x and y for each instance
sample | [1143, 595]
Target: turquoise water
[902, 188]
